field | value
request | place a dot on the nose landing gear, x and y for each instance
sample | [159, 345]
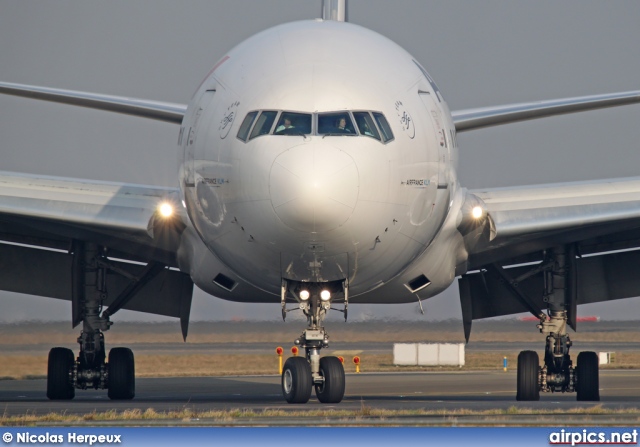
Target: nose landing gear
[326, 374]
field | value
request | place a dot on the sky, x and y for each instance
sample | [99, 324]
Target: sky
[480, 53]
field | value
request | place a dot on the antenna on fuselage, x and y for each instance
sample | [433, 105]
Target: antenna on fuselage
[335, 10]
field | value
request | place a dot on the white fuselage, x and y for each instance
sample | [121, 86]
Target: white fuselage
[317, 207]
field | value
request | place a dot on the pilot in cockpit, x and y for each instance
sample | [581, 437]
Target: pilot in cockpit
[341, 126]
[284, 125]
[365, 129]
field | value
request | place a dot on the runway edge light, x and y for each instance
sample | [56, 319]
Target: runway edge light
[279, 351]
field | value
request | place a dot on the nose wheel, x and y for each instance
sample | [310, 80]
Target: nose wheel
[331, 389]
[298, 380]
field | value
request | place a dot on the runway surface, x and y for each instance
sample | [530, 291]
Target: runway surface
[480, 390]
[177, 349]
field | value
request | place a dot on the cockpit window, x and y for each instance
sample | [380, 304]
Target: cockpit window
[387, 135]
[343, 123]
[263, 124]
[243, 133]
[293, 124]
[366, 126]
[337, 123]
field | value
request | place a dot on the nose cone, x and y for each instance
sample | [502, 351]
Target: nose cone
[314, 187]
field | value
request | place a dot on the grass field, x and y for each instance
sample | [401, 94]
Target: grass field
[283, 333]
[35, 339]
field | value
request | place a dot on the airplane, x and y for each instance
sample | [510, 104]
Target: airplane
[314, 179]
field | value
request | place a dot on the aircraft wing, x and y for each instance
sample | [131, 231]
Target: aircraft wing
[60, 206]
[163, 111]
[43, 219]
[526, 217]
[598, 222]
[479, 118]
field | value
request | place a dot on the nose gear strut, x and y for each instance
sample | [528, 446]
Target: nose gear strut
[326, 374]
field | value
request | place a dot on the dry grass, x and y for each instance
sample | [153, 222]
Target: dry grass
[283, 333]
[199, 365]
[365, 414]
[36, 338]
[23, 366]
[193, 365]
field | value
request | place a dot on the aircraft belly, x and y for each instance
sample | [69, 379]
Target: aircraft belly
[213, 276]
[437, 262]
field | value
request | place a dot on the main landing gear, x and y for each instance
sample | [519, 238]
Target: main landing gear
[325, 374]
[558, 374]
[92, 369]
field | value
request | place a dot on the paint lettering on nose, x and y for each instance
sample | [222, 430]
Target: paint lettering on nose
[314, 187]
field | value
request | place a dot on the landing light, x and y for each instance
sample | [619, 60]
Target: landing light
[325, 295]
[304, 295]
[165, 209]
[477, 212]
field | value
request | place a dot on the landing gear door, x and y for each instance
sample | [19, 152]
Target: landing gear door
[314, 265]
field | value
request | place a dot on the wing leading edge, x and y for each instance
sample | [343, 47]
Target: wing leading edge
[600, 215]
[531, 210]
[62, 207]
[472, 119]
[163, 111]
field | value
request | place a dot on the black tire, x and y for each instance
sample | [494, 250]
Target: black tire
[59, 386]
[587, 377]
[331, 391]
[296, 380]
[122, 374]
[528, 388]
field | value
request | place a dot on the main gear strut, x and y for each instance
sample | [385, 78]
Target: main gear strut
[558, 373]
[92, 369]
